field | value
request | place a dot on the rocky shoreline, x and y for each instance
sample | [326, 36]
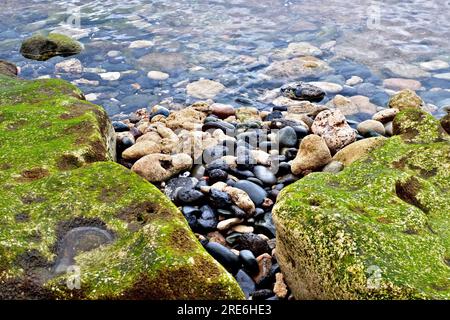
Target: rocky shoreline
[225, 167]
[247, 183]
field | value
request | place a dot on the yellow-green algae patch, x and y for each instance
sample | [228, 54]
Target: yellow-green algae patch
[380, 229]
[56, 175]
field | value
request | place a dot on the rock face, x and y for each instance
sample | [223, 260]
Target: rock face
[64, 202]
[332, 126]
[42, 48]
[369, 231]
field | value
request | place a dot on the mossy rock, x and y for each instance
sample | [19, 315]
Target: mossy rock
[64, 203]
[380, 229]
[153, 254]
[46, 126]
[42, 48]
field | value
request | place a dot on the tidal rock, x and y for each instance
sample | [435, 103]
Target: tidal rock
[313, 154]
[255, 192]
[332, 126]
[161, 167]
[204, 89]
[303, 91]
[140, 150]
[224, 256]
[406, 99]
[42, 48]
[368, 126]
[357, 150]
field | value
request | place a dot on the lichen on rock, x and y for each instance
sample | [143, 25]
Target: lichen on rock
[379, 229]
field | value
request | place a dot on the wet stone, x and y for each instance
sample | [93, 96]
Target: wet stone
[255, 192]
[120, 126]
[246, 283]
[79, 240]
[224, 256]
[219, 199]
[252, 242]
[249, 262]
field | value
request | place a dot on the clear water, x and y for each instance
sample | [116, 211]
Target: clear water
[232, 41]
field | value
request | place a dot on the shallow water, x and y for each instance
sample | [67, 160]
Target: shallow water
[233, 41]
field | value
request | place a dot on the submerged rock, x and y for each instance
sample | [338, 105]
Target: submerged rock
[351, 235]
[42, 48]
[303, 91]
[204, 89]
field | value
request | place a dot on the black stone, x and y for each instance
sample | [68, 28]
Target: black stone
[249, 262]
[119, 126]
[255, 192]
[266, 226]
[219, 199]
[303, 91]
[238, 212]
[262, 294]
[246, 283]
[254, 243]
[274, 115]
[189, 196]
[287, 137]
[265, 175]
[224, 256]
[217, 175]
[208, 220]
[226, 127]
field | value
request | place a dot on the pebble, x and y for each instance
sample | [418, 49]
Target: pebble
[303, 91]
[219, 199]
[313, 154]
[243, 229]
[263, 294]
[140, 150]
[354, 80]
[222, 111]
[368, 126]
[224, 256]
[208, 220]
[255, 192]
[204, 89]
[434, 65]
[110, 76]
[140, 44]
[228, 224]
[280, 288]
[332, 126]
[444, 76]
[161, 167]
[264, 264]
[217, 175]
[158, 75]
[328, 87]
[287, 137]
[265, 175]
[190, 196]
[252, 242]
[400, 84]
[389, 128]
[73, 66]
[246, 283]
[120, 126]
[249, 262]
[385, 115]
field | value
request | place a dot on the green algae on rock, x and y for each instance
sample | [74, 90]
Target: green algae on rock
[59, 187]
[42, 48]
[377, 230]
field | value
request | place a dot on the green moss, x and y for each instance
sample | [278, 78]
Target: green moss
[55, 175]
[389, 211]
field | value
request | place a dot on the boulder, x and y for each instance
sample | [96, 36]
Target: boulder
[42, 48]
[370, 231]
